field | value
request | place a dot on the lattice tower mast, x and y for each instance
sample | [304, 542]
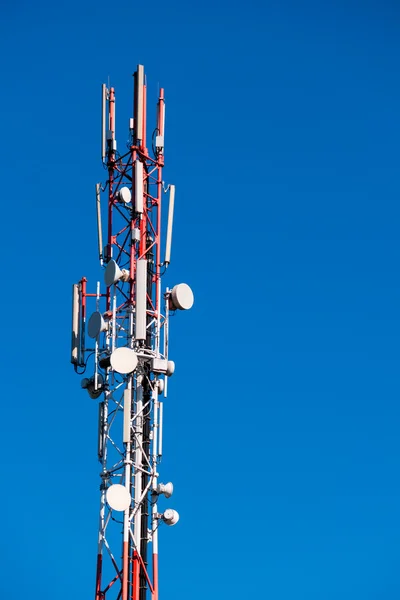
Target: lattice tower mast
[125, 345]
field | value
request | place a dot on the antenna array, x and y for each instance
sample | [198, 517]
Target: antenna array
[125, 345]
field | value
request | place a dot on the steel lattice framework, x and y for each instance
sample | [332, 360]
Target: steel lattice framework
[126, 341]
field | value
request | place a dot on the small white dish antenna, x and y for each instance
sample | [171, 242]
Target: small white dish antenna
[165, 488]
[118, 497]
[124, 195]
[96, 324]
[123, 360]
[113, 273]
[170, 368]
[182, 296]
[170, 516]
[88, 384]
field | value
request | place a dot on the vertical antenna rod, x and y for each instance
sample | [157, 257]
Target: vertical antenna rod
[123, 349]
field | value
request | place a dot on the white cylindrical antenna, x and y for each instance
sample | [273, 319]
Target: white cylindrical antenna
[161, 125]
[139, 79]
[169, 224]
[166, 337]
[141, 299]
[160, 430]
[75, 338]
[127, 415]
[162, 132]
[99, 228]
[96, 347]
[155, 427]
[103, 120]
[100, 432]
[138, 186]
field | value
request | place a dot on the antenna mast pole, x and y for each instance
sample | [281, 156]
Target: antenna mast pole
[124, 348]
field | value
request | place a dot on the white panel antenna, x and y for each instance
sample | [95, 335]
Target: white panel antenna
[99, 228]
[169, 224]
[141, 299]
[162, 132]
[127, 415]
[139, 78]
[75, 339]
[139, 186]
[103, 120]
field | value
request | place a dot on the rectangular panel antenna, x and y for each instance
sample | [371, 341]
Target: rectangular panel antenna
[139, 186]
[100, 432]
[141, 299]
[139, 82]
[169, 224]
[160, 431]
[127, 415]
[103, 120]
[162, 129]
[75, 338]
[99, 228]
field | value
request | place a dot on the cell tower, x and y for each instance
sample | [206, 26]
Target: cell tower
[124, 348]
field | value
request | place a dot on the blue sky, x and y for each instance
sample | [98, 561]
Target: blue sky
[282, 422]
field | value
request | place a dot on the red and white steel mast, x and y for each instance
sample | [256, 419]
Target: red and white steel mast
[123, 350]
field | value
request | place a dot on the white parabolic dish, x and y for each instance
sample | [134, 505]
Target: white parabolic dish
[124, 195]
[118, 497]
[182, 296]
[123, 360]
[112, 273]
[96, 324]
